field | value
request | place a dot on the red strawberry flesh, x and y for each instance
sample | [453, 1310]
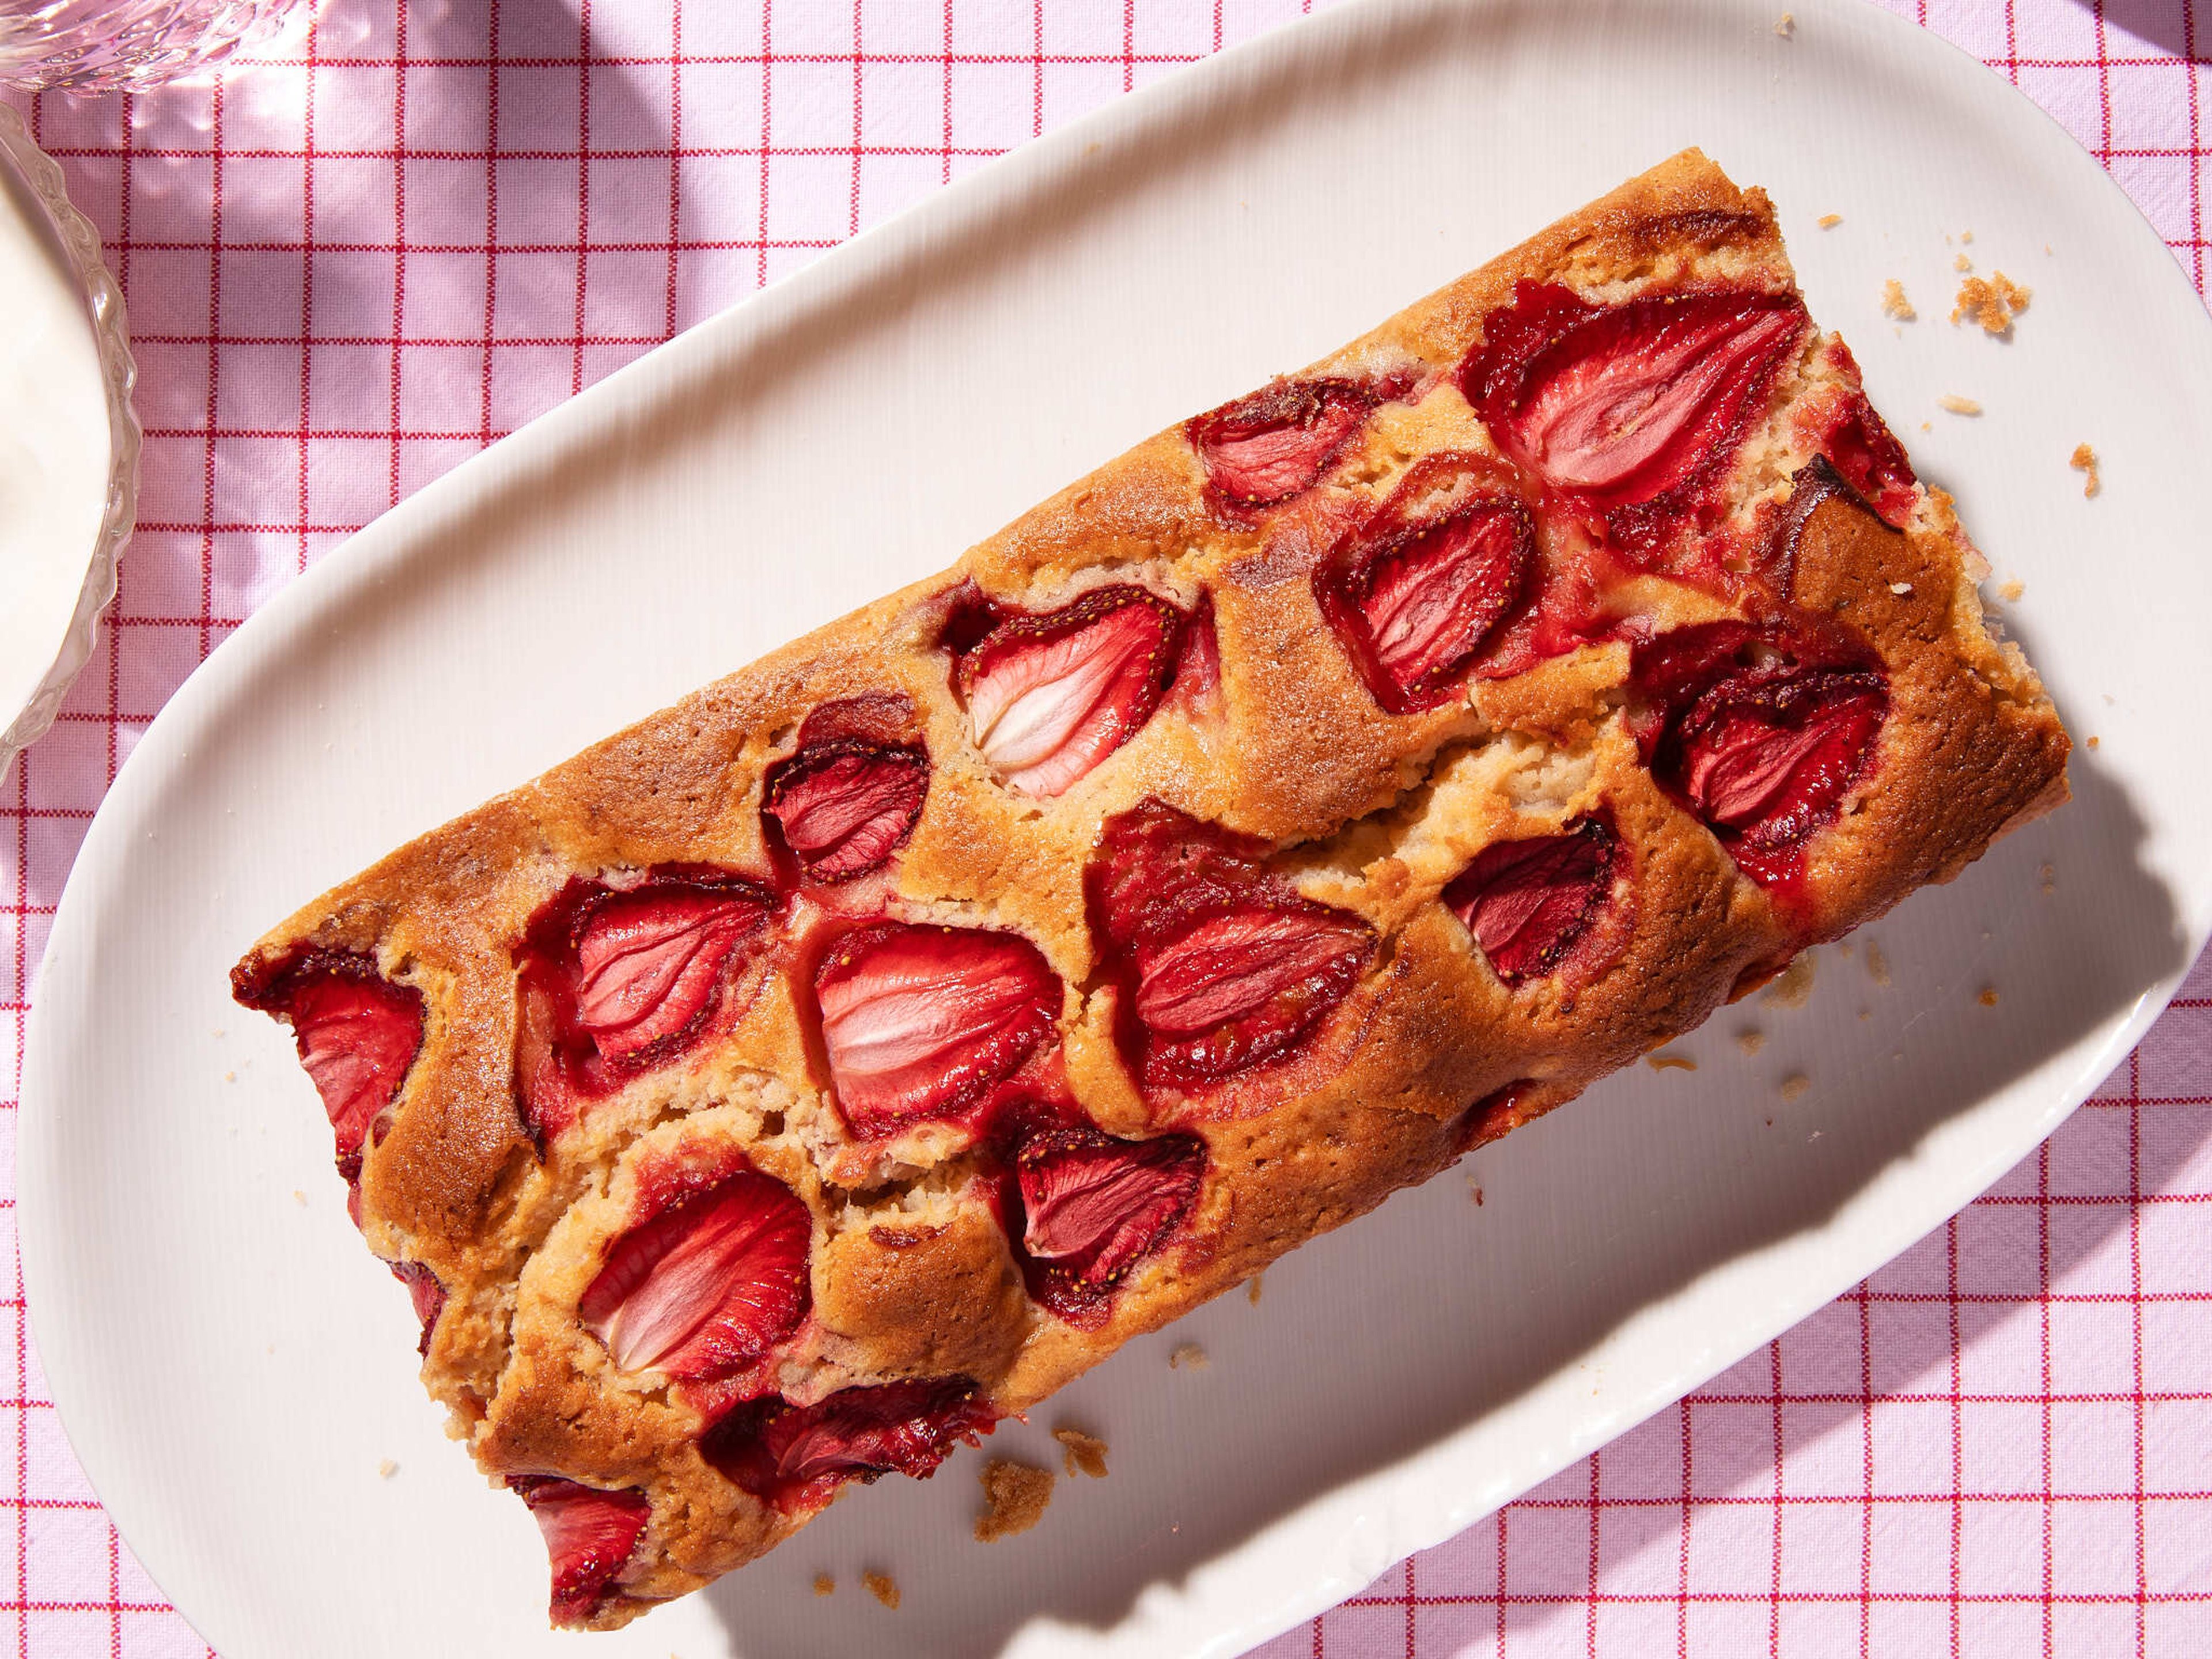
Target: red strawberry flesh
[843, 809]
[704, 1289]
[1528, 903]
[1222, 966]
[920, 1021]
[424, 1290]
[1871, 460]
[1616, 406]
[1050, 696]
[611, 982]
[1760, 735]
[794, 1456]
[649, 961]
[589, 1534]
[1093, 1208]
[1263, 449]
[356, 1031]
[1418, 589]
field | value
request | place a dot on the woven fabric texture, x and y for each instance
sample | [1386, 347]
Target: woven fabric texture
[359, 257]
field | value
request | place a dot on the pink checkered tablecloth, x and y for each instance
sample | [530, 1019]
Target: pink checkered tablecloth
[361, 256]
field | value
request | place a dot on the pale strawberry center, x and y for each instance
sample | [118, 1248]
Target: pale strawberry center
[647, 961]
[708, 1287]
[1230, 966]
[917, 1020]
[1046, 704]
[1610, 422]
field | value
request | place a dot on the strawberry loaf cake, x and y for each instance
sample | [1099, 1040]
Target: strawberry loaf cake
[783, 1091]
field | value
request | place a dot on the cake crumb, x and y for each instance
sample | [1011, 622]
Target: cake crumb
[1189, 1357]
[1993, 302]
[1958, 406]
[1086, 1453]
[299, 1198]
[884, 1588]
[1927, 425]
[2084, 461]
[2048, 877]
[1017, 1494]
[1900, 588]
[1795, 1086]
[1793, 986]
[1962, 263]
[1671, 1063]
[1894, 304]
[1989, 996]
[1829, 220]
[1252, 1288]
[1750, 1041]
[388, 1468]
[1877, 965]
[824, 1585]
[2092, 741]
[2012, 591]
[230, 1076]
[1475, 1193]
[1786, 25]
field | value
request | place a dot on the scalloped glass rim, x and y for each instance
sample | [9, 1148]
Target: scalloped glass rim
[104, 301]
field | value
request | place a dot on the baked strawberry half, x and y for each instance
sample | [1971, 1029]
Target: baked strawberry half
[613, 981]
[1628, 410]
[1760, 732]
[1093, 1208]
[357, 1033]
[424, 1290]
[1263, 449]
[705, 1282]
[1416, 591]
[796, 1456]
[1529, 903]
[590, 1536]
[1050, 696]
[1221, 964]
[847, 798]
[920, 1022]
[1867, 453]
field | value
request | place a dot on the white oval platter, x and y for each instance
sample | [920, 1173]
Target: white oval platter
[233, 1368]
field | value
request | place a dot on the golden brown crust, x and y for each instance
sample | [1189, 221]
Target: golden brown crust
[911, 1273]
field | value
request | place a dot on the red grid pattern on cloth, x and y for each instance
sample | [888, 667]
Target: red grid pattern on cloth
[387, 241]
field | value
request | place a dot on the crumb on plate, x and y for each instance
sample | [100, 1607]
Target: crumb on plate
[1958, 406]
[1877, 965]
[1086, 1454]
[1793, 986]
[388, 1468]
[1750, 1041]
[1894, 304]
[1017, 1494]
[1671, 1062]
[2085, 461]
[884, 1588]
[1252, 1288]
[2012, 591]
[824, 1585]
[1188, 1356]
[1993, 302]
[1795, 1086]
[1829, 220]
[1989, 996]
[1786, 25]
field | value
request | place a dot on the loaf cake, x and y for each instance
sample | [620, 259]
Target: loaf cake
[784, 1091]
